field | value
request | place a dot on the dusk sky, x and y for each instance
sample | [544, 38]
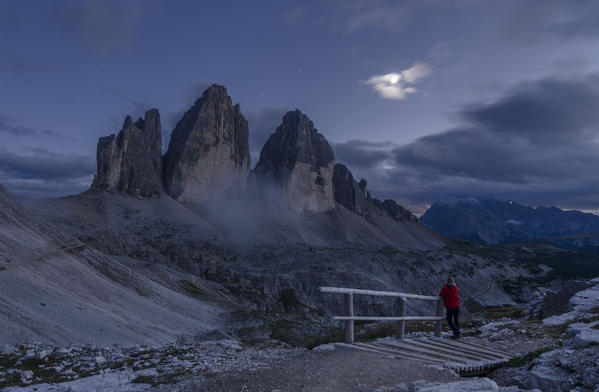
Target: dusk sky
[424, 99]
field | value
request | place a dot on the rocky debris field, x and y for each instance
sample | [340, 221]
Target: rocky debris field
[37, 367]
[571, 363]
[558, 353]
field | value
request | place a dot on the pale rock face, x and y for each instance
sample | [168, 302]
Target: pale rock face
[304, 193]
[131, 162]
[296, 166]
[208, 156]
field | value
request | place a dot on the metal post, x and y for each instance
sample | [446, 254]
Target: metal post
[349, 324]
[439, 314]
[401, 325]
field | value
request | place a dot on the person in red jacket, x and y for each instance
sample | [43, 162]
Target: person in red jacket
[449, 293]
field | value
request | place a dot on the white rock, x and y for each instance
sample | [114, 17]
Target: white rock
[585, 334]
[561, 319]
[324, 347]
[26, 376]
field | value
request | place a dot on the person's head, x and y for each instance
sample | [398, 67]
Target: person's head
[450, 281]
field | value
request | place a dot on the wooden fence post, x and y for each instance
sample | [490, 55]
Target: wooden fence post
[439, 314]
[401, 325]
[349, 324]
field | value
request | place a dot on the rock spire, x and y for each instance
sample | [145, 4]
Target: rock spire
[208, 156]
[296, 165]
[131, 162]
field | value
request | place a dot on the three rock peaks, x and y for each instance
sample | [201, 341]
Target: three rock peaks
[208, 159]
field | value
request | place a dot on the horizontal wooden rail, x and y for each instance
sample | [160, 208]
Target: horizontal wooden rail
[369, 318]
[401, 320]
[343, 290]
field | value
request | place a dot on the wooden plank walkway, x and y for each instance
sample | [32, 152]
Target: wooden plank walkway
[464, 357]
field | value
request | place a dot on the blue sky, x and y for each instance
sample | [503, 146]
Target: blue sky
[409, 93]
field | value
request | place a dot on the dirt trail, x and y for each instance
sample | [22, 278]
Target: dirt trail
[339, 370]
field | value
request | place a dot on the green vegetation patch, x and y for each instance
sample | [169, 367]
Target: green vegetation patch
[513, 312]
[527, 358]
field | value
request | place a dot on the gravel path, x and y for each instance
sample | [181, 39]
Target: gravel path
[341, 369]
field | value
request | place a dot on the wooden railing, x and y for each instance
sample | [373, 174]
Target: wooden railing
[349, 318]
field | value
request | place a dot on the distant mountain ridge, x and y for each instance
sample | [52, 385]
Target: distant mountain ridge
[485, 219]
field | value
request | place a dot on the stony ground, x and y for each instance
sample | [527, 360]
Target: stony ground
[557, 353]
[227, 365]
[341, 369]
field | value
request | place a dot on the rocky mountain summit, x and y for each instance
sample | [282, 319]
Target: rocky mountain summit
[355, 197]
[495, 221]
[208, 160]
[208, 156]
[131, 162]
[297, 162]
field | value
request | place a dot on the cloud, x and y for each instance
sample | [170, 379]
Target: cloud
[535, 22]
[378, 14]
[293, 16]
[41, 173]
[363, 154]
[397, 85]
[538, 144]
[10, 126]
[44, 164]
[105, 25]
[548, 110]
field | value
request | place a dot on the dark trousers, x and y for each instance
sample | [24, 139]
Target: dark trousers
[453, 319]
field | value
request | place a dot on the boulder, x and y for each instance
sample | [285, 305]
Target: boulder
[208, 156]
[131, 162]
[296, 166]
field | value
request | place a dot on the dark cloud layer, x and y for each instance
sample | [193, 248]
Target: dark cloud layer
[45, 164]
[537, 144]
[548, 109]
[11, 126]
[40, 173]
[362, 153]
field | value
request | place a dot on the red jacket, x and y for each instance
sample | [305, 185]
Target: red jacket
[450, 296]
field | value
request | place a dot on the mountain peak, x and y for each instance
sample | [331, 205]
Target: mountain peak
[298, 161]
[131, 162]
[487, 219]
[208, 155]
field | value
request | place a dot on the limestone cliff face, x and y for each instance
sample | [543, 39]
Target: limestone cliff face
[352, 195]
[208, 156]
[296, 164]
[396, 211]
[355, 197]
[131, 162]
